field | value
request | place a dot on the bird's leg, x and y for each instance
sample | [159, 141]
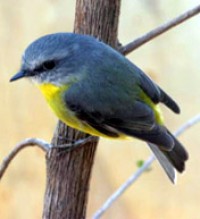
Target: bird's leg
[75, 143]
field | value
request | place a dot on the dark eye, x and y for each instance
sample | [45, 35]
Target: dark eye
[48, 65]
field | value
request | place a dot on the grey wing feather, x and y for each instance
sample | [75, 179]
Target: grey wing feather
[138, 117]
[156, 93]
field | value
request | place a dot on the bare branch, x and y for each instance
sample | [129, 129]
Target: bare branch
[159, 30]
[123, 187]
[193, 121]
[25, 143]
[140, 170]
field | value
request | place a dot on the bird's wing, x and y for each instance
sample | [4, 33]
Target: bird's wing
[110, 121]
[156, 93]
[135, 120]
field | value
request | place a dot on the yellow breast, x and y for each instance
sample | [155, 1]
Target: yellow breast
[54, 96]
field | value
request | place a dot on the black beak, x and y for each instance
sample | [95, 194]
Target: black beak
[17, 76]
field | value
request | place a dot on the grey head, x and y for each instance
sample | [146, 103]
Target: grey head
[55, 57]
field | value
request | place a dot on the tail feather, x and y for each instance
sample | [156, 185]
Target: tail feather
[171, 160]
[164, 162]
[169, 151]
[178, 155]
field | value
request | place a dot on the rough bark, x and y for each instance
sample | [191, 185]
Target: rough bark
[68, 172]
[99, 19]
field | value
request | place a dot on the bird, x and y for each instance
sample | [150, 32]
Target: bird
[93, 88]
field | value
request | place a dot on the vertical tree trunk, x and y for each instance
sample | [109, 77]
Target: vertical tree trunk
[68, 173]
[99, 19]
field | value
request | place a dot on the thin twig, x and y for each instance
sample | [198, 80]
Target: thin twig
[159, 30]
[25, 143]
[187, 125]
[123, 187]
[140, 170]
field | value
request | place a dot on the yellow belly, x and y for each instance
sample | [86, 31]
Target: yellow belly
[53, 95]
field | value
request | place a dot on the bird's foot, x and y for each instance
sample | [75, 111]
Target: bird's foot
[76, 143]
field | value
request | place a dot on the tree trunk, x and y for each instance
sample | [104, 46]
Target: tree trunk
[68, 172]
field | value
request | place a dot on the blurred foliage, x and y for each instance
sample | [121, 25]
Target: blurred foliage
[172, 60]
[140, 163]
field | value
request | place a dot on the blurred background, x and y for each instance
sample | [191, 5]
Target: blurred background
[172, 60]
